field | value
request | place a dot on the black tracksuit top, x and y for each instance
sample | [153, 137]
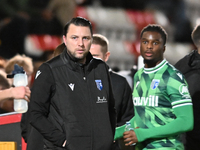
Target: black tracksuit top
[74, 103]
[189, 65]
[123, 98]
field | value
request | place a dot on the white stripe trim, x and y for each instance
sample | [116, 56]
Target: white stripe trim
[180, 101]
[182, 105]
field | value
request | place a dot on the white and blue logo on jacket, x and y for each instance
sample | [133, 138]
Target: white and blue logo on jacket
[99, 84]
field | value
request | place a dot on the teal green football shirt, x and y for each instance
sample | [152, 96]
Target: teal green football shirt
[163, 108]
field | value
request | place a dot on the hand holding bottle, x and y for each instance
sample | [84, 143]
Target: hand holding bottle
[130, 138]
[20, 92]
[19, 79]
[129, 135]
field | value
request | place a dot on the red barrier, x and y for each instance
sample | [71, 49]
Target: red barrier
[10, 129]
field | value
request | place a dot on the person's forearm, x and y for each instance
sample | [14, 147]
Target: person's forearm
[20, 92]
[5, 94]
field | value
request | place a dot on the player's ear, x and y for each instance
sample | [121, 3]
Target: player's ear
[107, 55]
[64, 39]
[164, 47]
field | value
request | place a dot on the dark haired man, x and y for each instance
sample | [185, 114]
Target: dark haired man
[162, 103]
[190, 67]
[72, 104]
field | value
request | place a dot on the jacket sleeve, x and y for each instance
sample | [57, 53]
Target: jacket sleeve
[127, 109]
[112, 110]
[41, 93]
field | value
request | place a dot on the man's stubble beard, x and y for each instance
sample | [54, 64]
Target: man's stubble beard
[75, 58]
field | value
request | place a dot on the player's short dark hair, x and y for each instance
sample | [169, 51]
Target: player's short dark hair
[78, 21]
[155, 28]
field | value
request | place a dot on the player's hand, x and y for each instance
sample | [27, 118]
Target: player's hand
[130, 137]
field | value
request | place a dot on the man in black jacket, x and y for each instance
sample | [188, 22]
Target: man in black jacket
[72, 104]
[121, 89]
[190, 67]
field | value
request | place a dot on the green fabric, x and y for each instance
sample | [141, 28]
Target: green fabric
[181, 123]
[119, 132]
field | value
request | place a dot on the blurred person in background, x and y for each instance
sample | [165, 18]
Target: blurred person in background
[27, 64]
[5, 83]
[121, 89]
[190, 67]
[6, 101]
[2, 63]
[8, 93]
[59, 49]
[163, 106]
[23, 61]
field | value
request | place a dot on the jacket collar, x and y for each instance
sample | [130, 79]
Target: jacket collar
[75, 65]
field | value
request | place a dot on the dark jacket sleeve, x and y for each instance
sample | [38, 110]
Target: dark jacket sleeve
[112, 110]
[41, 93]
[127, 109]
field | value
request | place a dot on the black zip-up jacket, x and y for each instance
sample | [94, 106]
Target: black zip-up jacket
[190, 67]
[74, 103]
[123, 98]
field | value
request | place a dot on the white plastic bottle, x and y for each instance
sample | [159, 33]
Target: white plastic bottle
[128, 128]
[20, 105]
